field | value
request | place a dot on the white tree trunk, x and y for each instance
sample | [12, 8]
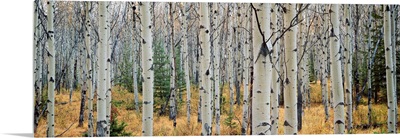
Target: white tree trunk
[290, 81]
[108, 71]
[275, 89]
[246, 74]
[185, 19]
[348, 68]
[217, 65]
[336, 74]
[172, 98]
[261, 124]
[148, 72]
[90, 70]
[323, 68]
[230, 58]
[393, 17]
[51, 69]
[38, 66]
[102, 88]
[205, 67]
[389, 71]
[135, 62]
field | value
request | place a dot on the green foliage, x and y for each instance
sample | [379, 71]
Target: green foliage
[229, 122]
[161, 76]
[117, 129]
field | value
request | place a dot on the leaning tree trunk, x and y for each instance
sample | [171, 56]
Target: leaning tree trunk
[51, 69]
[275, 89]
[337, 85]
[290, 117]
[102, 88]
[205, 67]
[348, 68]
[261, 124]
[246, 74]
[389, 71]
[148, 72]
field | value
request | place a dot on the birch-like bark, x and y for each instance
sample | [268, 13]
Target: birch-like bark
[135, 62]
[51, 69]
[185, 19]
[148, 72]
[108, 70]
[38, 82]
[261, 124]
[389, 71]
[90, 70]
[217, 65]
[84, 65]
[205, 67]
[348, 68]
[172, 99]
[102, 88]
[323, 68]
[290, 81]
[393, 30]
[246, 74]
[275, 89]
[230, 58]
[337, 85]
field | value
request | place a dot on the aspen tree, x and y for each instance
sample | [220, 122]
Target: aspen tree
[108, 69]
[246, 74]
[217, 65]
[275, 83]
[102, 88]
[261, 123]
[348, 67]
[205, 67]
[389, 71]
[88, 65]
[51, 68]
[185, 19]
[147, 65]
[172, 98]
[290, 80]
[337, 85]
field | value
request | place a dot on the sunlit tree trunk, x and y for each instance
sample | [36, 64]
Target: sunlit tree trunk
[102, 88]
[51, 69]
[348, 68]
[148, 72]
[389, 71]
[290, 81]
[205, 67]
[337, 85]
[275, 82]
[261, 123]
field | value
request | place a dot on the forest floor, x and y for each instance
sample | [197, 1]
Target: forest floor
[67, 115]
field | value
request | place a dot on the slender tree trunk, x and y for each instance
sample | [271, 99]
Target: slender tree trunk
[148, 72]
[51, 69]
[84, 87]
[102, 88]
[275, 89]
[88, 65]
[261, 122]
[185, 19]
[348, 68]
[393, 30]
[246, 74]
[38, 82]
[205, 67]
[290, 123]
[337, 85]
[389, 71]
[108, 71]
[369, 68]
[231, 57]
[135, 62]
[323, 69]
[172, 99]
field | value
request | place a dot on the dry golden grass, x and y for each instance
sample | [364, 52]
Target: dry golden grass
[313, 119]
